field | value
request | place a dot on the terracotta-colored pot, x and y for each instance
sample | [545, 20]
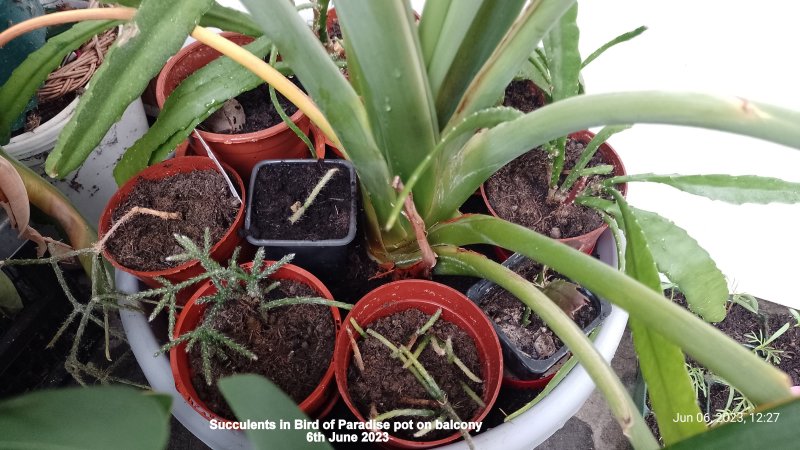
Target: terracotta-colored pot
[513, 382]
[426, 296]
[221, 251]
[322, 144]
[240, 151]
[584, 242]
[317, 404]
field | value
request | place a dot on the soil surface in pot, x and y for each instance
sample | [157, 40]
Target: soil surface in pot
[294, 345]
[524, 95]
[281, 188]
[385, 385]
[201, 198]
[519, 193]
[789, 342]
[506, 311]
[259, 112]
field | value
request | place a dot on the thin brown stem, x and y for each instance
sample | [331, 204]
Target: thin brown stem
[428, 256]
[136, 210]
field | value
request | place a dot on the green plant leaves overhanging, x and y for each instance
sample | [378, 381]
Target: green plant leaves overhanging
[29, 76]
[94, 418]
[680, 258]
[255, 398]
[662, 363]
[156, 32]
[736, 189]
[698, 339]
[196, 98]
[563, 57]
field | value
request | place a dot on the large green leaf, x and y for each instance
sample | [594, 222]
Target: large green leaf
[255, 398]
[335, 97]
[662, 363]
[681, 259]
[196, 98]
[517, 45]
[488, 152]
[563, 56]
[773, 428]
[736, 189]
[466, 50]
[393, 83]
[157, 31]
[10, 301]
[432, 24]
[92, 418]
[29, 76]
[759, 381]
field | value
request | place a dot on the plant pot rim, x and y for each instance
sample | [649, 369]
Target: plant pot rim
[351, 233]
[521, 360]
[619, 170]
[161, 94]
[188, 391]
[422, 294]
[201, 163]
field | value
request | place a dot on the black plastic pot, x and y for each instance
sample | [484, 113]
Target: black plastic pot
[317, 256]
[517, 361]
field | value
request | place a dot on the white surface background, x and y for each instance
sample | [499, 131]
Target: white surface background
[733, 47]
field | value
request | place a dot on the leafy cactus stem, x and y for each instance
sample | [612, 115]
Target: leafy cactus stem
[298, 213]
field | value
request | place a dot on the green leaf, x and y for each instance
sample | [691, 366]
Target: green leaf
[392, 82]
[521, 40]
[466, 52]
[662, 363]
[756, 379]
[736, 189]
[686, 264]
[29, 76]
[86, 419]
[253, 397]
[10, 301]
[588, 153]
[624, 37]
[563, 57]
[431, 25]
[772, 428]
[229, 19]
[488, 152]
[156, 32]
[533, 69]
[196, 98]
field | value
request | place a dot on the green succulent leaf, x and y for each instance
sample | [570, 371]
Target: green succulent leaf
[662, 363]
[253, 397]
[624, 37]
[736, 189]
[140, 52]
[29, 76]
[10, 301]
[94, 418]
[563, 57]
[196, 98]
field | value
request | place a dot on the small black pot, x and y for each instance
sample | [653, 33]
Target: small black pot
[317, 256]
[517, 361]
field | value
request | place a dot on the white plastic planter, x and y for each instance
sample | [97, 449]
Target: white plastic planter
[93, 184]
[523, 433]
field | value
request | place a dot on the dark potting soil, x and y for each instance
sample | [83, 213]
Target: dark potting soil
[524, 95]
[281, 187]
[739, 322]
[506, 311]
[519, 193]
[201, 198]
[294, 345]
[386, 385]
[789, 342]
[334, 31]
[45, 111]
[259, 111]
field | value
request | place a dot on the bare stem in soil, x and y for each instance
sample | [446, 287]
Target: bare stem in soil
[98, 246]
[428, 256]
[313, 195]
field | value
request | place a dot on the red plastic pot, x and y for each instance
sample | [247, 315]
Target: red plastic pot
[513, 382]
[317, 404]
[221, 251]
[426, 296]
[240, 151]
[584, 242]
